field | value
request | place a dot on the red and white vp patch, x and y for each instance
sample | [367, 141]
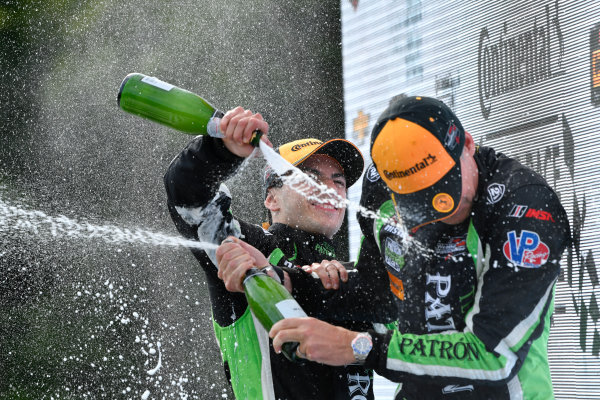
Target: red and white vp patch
[527, 250]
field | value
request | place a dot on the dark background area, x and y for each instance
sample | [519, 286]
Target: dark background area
[84, 318]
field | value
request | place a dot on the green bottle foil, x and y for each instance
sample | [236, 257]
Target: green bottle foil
[271, 302]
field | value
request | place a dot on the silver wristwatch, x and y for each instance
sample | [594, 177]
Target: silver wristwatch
[361, 347]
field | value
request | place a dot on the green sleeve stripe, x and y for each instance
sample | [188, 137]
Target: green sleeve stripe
[458, 354]
[386, 211]
[534, 379]
[362, 239]
[295, 253]
[276, 256]
[474, 247]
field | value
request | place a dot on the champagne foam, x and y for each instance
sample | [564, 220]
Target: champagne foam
[320, 193]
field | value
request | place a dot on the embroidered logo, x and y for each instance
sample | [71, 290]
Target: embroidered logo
[527, 250]
[394, 255]
[452, 137]
[372, 174]
[457, 388]
[517, 211]
[495, 193]
[325, 249]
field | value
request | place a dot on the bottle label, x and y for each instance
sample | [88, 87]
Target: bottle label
[290, 309]
[150, 80]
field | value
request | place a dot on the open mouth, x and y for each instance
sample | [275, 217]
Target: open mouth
[325, 206]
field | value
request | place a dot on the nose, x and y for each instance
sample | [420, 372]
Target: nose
[331, 184]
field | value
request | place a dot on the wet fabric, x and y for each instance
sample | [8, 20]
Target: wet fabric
[255, 370]
[474, 300]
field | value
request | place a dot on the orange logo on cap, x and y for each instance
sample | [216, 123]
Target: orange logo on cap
[443, 202]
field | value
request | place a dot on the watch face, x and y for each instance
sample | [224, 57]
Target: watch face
[362, 345]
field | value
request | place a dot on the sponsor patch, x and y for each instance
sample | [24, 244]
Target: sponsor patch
[394, 255]
[358, 383]
[454, 246]
[526, 250]
[394, 230]
[539, 214]
[495, 192]
[457, 388]
[517, 211]
[396, 286]
[325, 249]
[372, 174]
[452, 137]
[443, 202]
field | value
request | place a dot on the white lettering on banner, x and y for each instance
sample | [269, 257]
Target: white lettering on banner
[436, 310]
[357, 382]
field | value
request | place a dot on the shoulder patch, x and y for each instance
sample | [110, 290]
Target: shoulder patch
[495, 192]
[526, 250]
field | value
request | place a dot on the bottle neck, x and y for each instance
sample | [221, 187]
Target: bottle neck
[254, 272]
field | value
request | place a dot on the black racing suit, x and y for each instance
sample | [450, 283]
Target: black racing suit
[474, 299]
[254, 369]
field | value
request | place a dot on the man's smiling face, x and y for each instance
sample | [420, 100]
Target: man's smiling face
[322, 215]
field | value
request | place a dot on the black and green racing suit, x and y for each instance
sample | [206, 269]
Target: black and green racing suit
[474, 300]
[195, 196]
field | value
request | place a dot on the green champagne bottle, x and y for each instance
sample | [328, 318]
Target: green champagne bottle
[271, 302]
[161, 102]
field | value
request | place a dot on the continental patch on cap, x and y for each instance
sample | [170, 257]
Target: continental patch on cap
[411, 160]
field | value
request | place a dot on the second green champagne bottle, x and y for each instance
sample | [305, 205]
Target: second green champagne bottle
[271, 302]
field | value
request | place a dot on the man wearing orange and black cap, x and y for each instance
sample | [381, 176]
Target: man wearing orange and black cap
[471, 240]
[301, 232]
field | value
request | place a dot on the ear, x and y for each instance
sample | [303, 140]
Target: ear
[469, 144]
[272, 201]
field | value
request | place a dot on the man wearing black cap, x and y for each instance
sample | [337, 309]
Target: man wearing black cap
[301, 233]
[472, 241]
